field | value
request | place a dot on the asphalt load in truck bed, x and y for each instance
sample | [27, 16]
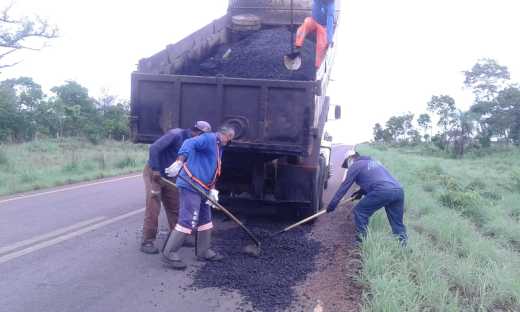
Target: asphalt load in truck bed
[259, 55]
[267, 281]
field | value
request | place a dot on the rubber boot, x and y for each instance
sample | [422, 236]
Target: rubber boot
[170, 257]
[189, 241]
[204, 253]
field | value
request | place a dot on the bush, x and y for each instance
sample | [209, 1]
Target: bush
[476, 185]
[459, 200]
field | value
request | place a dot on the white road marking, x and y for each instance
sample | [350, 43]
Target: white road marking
[65, 237]
[57, 232]
[66, 189]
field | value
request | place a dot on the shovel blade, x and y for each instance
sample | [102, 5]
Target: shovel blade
[292, 62]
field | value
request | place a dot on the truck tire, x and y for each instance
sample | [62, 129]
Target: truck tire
[317, 195]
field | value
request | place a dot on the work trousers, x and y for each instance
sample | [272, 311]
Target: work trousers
[392, 200]
[311, 25]
[157, 192]
[194, 213]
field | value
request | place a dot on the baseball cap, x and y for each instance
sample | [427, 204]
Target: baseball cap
[203, 126]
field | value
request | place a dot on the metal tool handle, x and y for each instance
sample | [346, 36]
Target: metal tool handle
[314, 216]
[292, 28]
[219, 206]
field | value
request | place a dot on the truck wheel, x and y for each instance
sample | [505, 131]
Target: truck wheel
[317, 194]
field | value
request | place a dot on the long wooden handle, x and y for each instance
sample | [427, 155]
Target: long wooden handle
[314, 216]
[217, 204]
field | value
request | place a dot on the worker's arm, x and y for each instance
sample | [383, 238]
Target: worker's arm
[198, 143]
[160, 145]
[330, 21]
[352, 173]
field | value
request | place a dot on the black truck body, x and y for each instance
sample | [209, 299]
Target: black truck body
[276, 159]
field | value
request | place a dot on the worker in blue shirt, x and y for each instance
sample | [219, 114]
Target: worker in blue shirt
[377, 189]
[162, 153]
[199, 160]
[321, 22]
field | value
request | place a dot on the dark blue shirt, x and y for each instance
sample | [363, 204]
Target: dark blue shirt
[203, 155]
[323, 13]
[369, 174]
[163, 152]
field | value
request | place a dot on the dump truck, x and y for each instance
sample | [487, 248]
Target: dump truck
[279, 159]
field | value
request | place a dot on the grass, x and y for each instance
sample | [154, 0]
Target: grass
[463, 218]
[47, 163]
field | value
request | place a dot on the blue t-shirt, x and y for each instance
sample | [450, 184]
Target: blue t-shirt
[370, 175]
[203, 155]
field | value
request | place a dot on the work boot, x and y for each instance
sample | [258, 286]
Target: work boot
[204, 253]
[189, 241]
[170, 257]
[148, 247]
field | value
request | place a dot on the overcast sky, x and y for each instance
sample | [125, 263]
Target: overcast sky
[392, 56]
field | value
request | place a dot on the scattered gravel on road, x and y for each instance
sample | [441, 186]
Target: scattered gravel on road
[267, 281]
[259, 55]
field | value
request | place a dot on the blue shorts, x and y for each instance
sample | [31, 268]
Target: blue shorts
[193, 213]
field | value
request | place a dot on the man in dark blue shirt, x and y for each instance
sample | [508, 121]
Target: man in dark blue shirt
[163, 153]
[380, 189]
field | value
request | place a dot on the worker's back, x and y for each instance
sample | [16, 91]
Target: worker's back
[371, 175]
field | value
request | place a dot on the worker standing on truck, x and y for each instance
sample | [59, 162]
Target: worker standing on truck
[163, 153]
[321, 22]
[199, 160]
[377, 189]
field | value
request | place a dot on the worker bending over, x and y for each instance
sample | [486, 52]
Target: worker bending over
[321, 22]
[379, 188]
[199, 160]
[162, 153]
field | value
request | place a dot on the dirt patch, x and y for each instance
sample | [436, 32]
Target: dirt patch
[334, 282]
[259, 55]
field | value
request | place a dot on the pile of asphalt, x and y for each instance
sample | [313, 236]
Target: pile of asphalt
[265, 282]
[259, 55]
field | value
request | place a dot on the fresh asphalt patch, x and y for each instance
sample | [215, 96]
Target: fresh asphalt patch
[267, 281]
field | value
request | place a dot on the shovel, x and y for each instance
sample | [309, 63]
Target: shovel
[314, 216]
[253, 250]
[293, 60]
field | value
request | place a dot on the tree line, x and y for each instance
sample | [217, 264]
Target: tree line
[494, 115]
[27, 113]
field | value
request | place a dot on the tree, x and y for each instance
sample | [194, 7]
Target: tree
[486, 78]
[80, 116]
[444, 107]
[22, 33]
[461, 131]
[424, 122]
[378, 133]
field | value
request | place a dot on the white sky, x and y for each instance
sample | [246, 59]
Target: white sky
[392, 56]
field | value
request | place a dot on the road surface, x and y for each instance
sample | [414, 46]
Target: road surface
[75, 248]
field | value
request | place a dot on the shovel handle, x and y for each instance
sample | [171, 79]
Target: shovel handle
[218, 205]
[314, 216]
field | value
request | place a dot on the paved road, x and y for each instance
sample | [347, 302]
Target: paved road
[76, 249]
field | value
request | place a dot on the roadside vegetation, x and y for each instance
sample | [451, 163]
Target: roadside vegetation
[51, 162]
[463, 218]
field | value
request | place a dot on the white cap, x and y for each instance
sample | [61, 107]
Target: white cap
[203, 126]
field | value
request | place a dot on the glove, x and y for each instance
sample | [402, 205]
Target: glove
[174, 169]
[358, 194]
[213, 194]
[156, 176]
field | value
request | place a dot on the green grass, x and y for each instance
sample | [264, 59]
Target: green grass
[47, 163]
[463, 218]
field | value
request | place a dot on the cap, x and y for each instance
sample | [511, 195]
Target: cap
[350, 153]
[203, 126]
